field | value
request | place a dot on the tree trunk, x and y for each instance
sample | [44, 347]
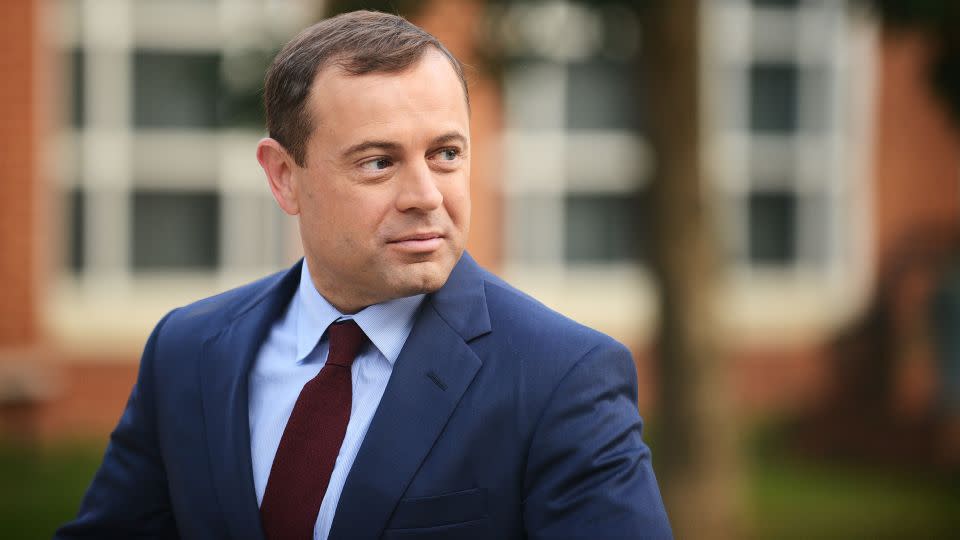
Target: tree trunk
[696, 454]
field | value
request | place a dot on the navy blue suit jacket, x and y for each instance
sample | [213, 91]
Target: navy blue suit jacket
[502, 419]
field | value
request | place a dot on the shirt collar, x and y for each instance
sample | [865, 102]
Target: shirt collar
[386, 325]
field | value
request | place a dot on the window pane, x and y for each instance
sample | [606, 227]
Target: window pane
[772, 227]
[174, 89]
[777, 3]
[76, 77]
[603, 94]
[176, 230]
[76, 208]
[773, 97]
[604, 227]
[242, 87]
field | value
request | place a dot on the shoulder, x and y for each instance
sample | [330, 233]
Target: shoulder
[207, 316]
[538, 338]
[515, 312]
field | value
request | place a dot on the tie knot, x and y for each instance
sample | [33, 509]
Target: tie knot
[346, 338]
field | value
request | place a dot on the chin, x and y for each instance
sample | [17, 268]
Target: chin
[424, 280]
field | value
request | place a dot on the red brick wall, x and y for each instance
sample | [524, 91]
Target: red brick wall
[917, 164]
[18, 174]
[90, 399]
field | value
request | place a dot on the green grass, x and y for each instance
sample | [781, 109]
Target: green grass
[786, 498]
[795, 499]
[41, 489]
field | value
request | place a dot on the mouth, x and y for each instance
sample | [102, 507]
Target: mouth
[418, 243]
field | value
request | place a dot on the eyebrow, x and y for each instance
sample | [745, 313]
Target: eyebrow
[371, 145]
[389, 146]
[449, 137]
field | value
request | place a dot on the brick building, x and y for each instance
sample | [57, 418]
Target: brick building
[129, 184]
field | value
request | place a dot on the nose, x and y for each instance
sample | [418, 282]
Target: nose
[418, 190]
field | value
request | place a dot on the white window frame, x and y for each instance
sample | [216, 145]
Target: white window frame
[762, 304]
[109, 305]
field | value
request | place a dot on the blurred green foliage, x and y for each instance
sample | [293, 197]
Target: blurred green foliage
[786, 498]
[41, 488]
[803, 499]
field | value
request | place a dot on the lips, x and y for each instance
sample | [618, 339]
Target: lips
[418, 237]
[418, 242]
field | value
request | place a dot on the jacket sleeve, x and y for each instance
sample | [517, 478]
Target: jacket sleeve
[589, 473]
[128, 497]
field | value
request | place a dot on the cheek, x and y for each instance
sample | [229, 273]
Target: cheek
[363, 218]
[457, 199]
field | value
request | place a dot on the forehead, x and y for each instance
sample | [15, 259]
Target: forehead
[427, 95]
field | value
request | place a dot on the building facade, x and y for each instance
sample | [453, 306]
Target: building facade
[130, 183]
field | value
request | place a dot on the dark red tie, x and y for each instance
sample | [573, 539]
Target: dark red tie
[311, 441]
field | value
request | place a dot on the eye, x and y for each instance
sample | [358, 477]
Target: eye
[378, 164]
[449, 154]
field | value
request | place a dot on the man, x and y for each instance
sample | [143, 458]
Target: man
[386, 386]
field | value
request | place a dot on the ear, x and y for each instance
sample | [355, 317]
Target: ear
[279, 167]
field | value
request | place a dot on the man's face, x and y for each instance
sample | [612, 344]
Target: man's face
[383, 198]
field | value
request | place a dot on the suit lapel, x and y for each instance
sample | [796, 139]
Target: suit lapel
[434, 369]
[430, 376]
[224, 374]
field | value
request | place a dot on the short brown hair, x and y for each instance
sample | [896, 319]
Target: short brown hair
[358, 42]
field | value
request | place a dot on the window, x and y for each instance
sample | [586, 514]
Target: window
[602, 94]
[176, 89]
[76, 74]
[576, 160]
[772, 225]
[75, 233]
[175, 230]
[776, 111]
[241, 88]
[577, 157]
[603, 227]
[784, 4]
[773, 97]
[158, 173]
[782, 88]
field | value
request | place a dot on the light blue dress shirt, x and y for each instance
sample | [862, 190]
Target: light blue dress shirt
[294, 352]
